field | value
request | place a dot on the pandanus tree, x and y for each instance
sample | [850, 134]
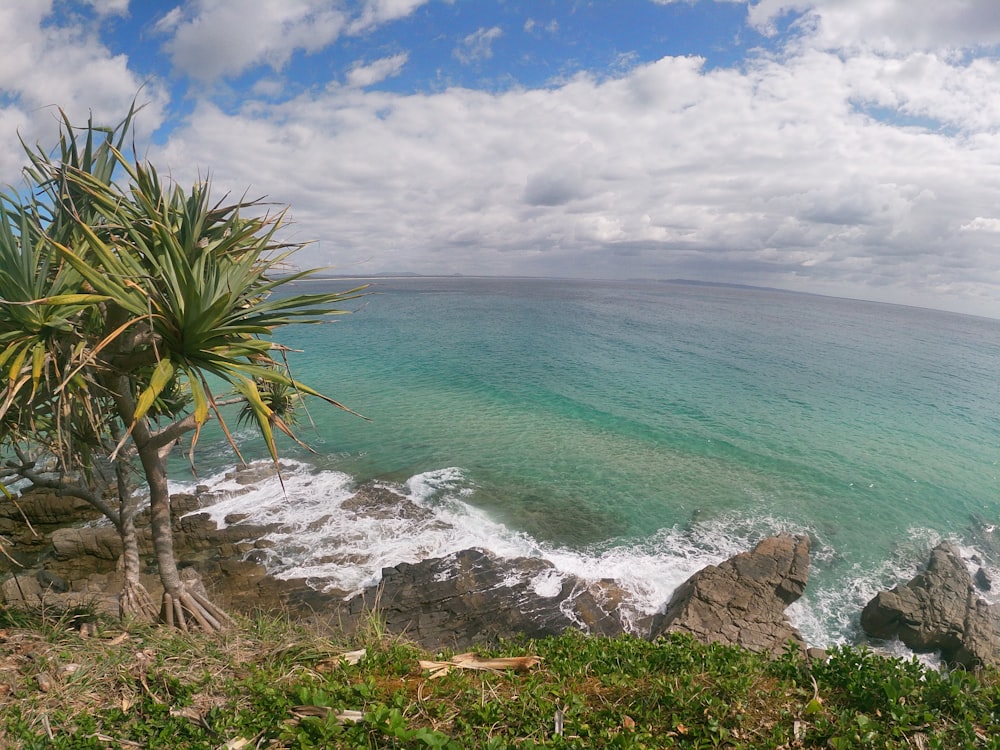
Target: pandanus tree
[55, 429]
[158, 294]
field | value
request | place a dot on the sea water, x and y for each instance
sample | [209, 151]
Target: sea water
[638, 431]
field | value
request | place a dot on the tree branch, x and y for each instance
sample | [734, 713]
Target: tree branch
[171, 433]
[62, 488]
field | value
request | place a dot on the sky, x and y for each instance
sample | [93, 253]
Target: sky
[841, 147]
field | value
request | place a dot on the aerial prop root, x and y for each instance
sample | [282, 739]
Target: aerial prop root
[176, 608]
[134, 602]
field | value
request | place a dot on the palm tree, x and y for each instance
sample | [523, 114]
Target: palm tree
[166, 289]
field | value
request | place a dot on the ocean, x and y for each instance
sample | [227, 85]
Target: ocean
[637, 431]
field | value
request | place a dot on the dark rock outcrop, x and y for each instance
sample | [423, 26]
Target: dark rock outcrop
[742, 601]
[472, 597]
[982, 579]
[938, 610]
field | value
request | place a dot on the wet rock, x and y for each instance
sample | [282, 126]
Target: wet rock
[938, 610]
[743, 600]
[982, 580]
[472, 597]
[600, 608]
[254, 473]
[183, 503]
[374, 500]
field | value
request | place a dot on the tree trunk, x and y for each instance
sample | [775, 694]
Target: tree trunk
[134, 602]
[180, 599]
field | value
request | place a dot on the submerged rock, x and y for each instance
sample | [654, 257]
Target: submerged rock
[938, 610]
[742, 601]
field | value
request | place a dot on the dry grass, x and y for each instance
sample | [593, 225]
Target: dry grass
[58, 667]
[76, 682]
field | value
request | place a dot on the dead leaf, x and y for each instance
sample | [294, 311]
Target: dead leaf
[187, 713]
[352, 657]
[348, 657]
[471, 661]
[798, 730]
[322, 712]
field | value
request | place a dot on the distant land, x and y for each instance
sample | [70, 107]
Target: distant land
[728, 285]
[685, 282]
[679, 282]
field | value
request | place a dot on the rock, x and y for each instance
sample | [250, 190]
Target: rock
[471, 596]
[743, 600]
[20, 588]
[182, 503]
[374, 500]
[816, 654]
[251, 474]
[938, 610]
[102, 542]
[598, 608]
[47, 508]
[51, 582]
[983, 581]
[197, 532]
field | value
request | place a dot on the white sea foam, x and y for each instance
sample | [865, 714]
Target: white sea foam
[344, 547]
[323, 535]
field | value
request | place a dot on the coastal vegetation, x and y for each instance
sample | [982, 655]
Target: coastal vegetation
[71, 680]
[125, 302]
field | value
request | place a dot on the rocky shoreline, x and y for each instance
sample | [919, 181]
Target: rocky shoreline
[69, 558]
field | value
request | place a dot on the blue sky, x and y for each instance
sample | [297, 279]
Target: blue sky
[847, 147]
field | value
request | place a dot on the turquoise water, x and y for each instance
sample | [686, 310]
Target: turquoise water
[650, 428]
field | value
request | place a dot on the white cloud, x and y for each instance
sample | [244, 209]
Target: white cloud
[982, 224]
[478, 45]
[49, 65]
[109, 7]
[769, 175]
[368, 75]
[377, 12]
[213, 39]
[930, 87]
[216, 38]
[859, 160]
[170, 21]
[531, 26]
[888, 25]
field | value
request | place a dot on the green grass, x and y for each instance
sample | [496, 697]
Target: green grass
[272, 683]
